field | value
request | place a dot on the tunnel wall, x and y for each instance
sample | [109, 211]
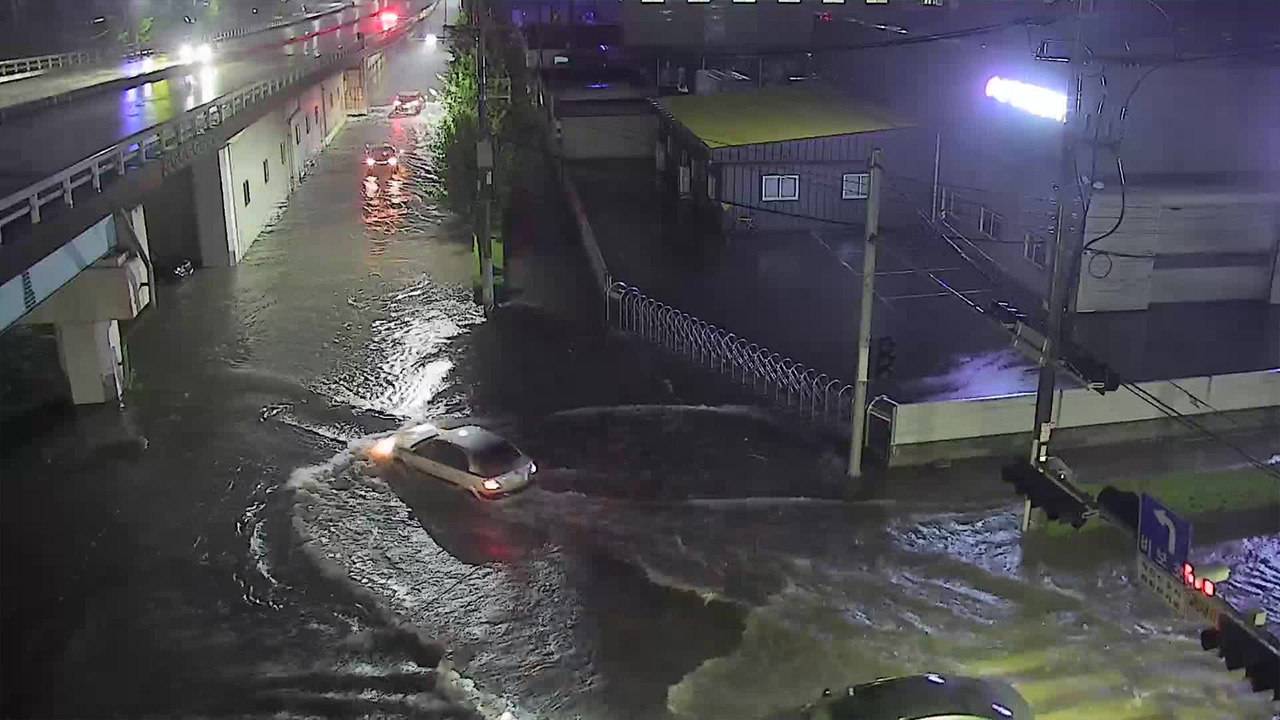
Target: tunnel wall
[258, 175]
[171, 211]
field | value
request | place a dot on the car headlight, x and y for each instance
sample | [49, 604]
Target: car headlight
[186, 54]
[204, 53]
[391, 160]
[491, 485]
[533, 468]
[383, 448]
[368, 161]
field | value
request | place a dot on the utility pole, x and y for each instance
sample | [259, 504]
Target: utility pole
[485, 156]
[858, 436]
[1068, 240]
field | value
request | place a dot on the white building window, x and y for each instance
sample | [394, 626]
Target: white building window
[990, 224]
[1033, 249]
[855, 186]
[779, 187]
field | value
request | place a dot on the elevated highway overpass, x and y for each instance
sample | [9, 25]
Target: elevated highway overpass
[86, 175]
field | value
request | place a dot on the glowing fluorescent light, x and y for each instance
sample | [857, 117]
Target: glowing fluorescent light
[1036, 100]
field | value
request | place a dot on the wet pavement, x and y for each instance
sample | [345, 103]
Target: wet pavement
[220, 547]
[798, 293]
[46, 141]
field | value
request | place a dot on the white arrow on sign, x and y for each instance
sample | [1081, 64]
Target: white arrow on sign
[1162, 517]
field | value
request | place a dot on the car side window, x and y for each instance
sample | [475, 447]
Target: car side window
[444, 453]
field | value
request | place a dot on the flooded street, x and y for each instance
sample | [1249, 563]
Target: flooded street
[221, 546]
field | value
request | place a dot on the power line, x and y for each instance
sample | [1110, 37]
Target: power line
[1190, 422]
[1148, 397]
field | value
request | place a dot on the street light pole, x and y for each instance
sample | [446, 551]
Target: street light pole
[858, 435]
[1068, 240]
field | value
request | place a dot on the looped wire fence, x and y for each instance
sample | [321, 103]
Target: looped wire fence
[781, 381]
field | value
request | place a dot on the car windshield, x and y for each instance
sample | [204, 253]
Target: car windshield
[408, 97]
[382, 153]
[495, 458]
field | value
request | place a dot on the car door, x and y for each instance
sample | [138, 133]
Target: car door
[443, 460]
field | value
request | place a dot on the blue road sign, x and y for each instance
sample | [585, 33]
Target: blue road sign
[1163, 537]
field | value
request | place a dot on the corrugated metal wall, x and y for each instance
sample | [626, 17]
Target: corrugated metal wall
[820, 164]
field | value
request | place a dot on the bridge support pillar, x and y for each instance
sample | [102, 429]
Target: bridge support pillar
[92, 356]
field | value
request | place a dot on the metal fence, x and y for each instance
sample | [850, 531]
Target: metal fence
[783, 382]
[22, 66]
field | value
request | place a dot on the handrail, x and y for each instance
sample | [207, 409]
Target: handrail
[17, 66]
[783, 382]
[35, 63]
[151, 144]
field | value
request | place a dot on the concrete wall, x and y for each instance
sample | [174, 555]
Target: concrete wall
[1205, 245]
[313, 119]
[609, 136]
[259, 163]
[209, 219]
[208, 203]
[171, 213]
[925, 423]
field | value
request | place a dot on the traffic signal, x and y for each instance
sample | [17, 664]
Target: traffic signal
[1240, 649]
[1122, 505]
[1045, 492]
[1101, 378]
[886, 354]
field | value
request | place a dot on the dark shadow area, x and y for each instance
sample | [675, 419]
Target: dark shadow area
[648, 636]
[689, 452]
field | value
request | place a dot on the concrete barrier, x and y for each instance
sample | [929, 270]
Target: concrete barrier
[953, 429]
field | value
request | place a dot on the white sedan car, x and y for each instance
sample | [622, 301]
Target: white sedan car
[474, 459]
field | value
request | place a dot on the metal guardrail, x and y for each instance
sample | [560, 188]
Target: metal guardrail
[18, 66]
[785, 383]
[153, 144]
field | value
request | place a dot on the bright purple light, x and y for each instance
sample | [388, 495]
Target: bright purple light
[1031, 98]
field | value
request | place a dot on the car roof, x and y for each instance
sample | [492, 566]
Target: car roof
[473, 437]
[928, 695]
[409, 93]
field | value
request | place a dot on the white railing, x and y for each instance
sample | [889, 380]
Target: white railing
[783, 382]
[158, 143]
[19, 66]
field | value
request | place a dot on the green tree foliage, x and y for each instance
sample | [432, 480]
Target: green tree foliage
[454, 142]
[144, 29]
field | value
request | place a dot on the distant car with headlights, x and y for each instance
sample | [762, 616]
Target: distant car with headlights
[407, 103]
[380, 158]
[930, 696]
[472, 458]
